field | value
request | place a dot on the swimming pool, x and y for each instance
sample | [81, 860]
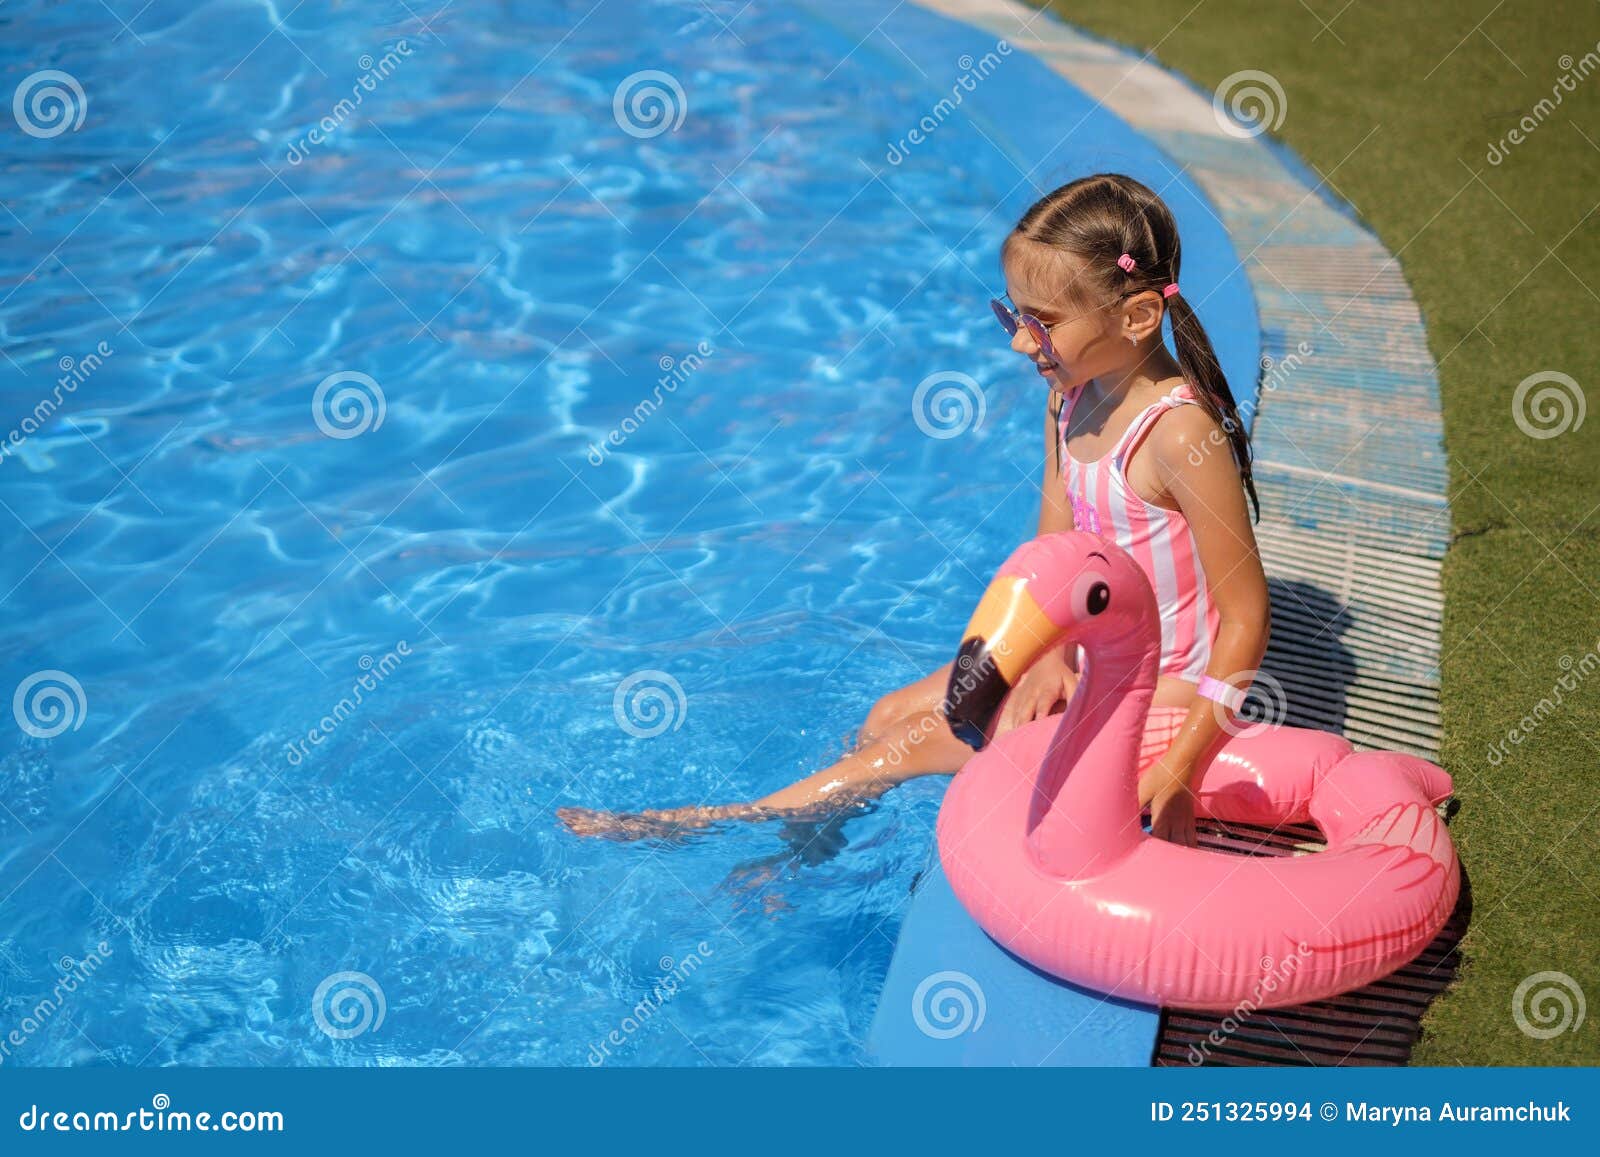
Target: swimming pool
[470, 415]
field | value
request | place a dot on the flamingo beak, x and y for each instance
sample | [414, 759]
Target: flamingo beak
[1008, 631]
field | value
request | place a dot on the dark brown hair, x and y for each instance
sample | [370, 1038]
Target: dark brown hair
[1098, 219]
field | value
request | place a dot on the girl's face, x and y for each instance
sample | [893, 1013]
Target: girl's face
[1088, 341]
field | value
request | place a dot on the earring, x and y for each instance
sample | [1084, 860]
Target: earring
[1133, 339]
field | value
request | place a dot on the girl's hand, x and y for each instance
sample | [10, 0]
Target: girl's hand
[1164, 786]
[1049, 681]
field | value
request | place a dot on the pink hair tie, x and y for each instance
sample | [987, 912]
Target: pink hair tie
[1170, 290]
[1126, 262]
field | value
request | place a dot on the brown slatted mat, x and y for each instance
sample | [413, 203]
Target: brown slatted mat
[1375, 1025]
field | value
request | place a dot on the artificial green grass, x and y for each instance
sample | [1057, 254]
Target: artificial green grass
[1397, 106]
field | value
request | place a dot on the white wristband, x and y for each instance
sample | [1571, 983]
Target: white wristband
[1219, 692]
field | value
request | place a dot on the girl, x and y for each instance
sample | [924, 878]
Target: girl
[1141, 448]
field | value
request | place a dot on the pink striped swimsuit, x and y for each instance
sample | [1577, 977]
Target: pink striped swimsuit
[1159, 539]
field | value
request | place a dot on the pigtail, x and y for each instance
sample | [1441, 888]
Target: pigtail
[1056, 401]
[1202, 370]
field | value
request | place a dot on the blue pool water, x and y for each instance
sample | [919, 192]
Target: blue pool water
[208, 544]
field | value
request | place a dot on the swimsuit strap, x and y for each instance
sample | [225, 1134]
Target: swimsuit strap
[1180, 395]
[1063, 422]
[1066, 415]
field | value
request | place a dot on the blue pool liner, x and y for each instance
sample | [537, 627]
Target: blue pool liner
[954, 997]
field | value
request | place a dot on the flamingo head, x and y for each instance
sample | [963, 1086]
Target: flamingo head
[1072, 587]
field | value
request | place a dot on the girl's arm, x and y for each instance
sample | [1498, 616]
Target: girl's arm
[1196, 468]
[1054, 513]
[1054, 674]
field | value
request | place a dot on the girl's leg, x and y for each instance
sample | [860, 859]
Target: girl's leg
[919, 744]
[890, 752]
[926, 694]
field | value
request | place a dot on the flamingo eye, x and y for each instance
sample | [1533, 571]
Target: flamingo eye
[1090, 592]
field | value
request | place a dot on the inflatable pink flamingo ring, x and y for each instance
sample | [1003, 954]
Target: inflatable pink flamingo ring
[1040, 835]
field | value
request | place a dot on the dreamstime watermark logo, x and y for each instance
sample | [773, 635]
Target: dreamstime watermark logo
[1275, 374]
[1547, 1004]
[372, 73]
[1249, 103]
[1572, 72]
[970, 675]
[1265, 704]
[673, 976]
[947, 1004]
[1274, 974]
[48, 103]
[948, 404]
[674, 373]
[1548, 404]
[71, 974]
[74, 372]
[973, 72]
[348, 404]
[648, 703]
[900, 750]
[1573, 673]
[374, 672]
[649, 103]
[155, 1119]
[47, 703]
[348, 1004]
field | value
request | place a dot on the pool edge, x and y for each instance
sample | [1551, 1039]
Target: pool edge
[1369, 537]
